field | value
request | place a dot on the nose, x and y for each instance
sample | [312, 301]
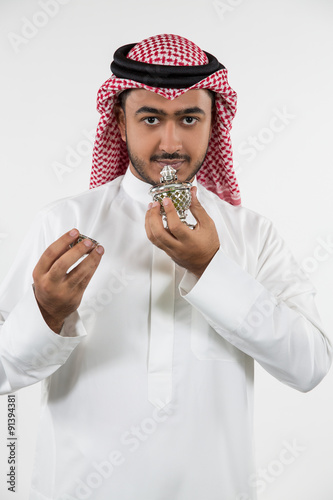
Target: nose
[170, 141]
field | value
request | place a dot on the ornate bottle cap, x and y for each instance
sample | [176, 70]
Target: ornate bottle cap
[178, 192]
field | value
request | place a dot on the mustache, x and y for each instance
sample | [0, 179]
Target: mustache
[167, 156]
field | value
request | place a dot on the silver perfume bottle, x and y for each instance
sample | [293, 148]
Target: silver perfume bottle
[178, 192]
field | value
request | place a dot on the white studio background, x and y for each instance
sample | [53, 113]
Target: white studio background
[54, 56]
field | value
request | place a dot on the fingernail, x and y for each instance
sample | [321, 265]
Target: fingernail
[150, 205]
[87, 242]
[73, 232]
[166, 202]
[155, 204]
[100, 249]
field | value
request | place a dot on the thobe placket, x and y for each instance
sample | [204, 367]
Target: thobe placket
[161, 334]
[161, 310]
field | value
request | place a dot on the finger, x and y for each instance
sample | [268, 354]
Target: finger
[156, 232]
[55, 250]
[83, 272]
[177, 228]
[154, 223]
[197, 210]
[60, 267]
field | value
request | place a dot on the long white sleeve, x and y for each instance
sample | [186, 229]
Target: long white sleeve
[272, 317]
[29, 350]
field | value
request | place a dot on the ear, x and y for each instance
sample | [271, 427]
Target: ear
[121, 120]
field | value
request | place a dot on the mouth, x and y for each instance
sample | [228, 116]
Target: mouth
[176, 164]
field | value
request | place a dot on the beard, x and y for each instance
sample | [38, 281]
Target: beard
[141, 167]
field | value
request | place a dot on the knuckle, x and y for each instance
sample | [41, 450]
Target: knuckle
[158, 234]
[74, 288]
[93, 261]
[57, 269]
[175, 228]
[83, 284]
[73, 282]
[48, 291]
[49, 253]
[44, 286]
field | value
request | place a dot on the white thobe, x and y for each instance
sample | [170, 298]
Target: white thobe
[148, 390]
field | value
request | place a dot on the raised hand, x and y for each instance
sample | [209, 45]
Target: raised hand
[192, 249]
[57, 291]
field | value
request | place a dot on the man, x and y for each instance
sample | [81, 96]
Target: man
[148, 376]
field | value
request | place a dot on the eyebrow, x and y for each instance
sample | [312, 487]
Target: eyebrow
[161, 112]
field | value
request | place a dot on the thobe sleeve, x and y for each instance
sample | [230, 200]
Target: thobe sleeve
[29, 350]
[270, 316]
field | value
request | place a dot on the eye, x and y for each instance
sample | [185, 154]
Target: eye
[151, 120]
[189, 120]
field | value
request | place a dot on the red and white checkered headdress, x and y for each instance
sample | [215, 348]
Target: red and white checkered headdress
[169, 65]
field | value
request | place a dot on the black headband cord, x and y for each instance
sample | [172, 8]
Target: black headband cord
[158, 75]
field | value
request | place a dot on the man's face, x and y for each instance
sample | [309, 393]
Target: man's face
[161, 132]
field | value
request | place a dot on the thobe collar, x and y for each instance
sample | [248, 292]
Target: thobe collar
[136, 188]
